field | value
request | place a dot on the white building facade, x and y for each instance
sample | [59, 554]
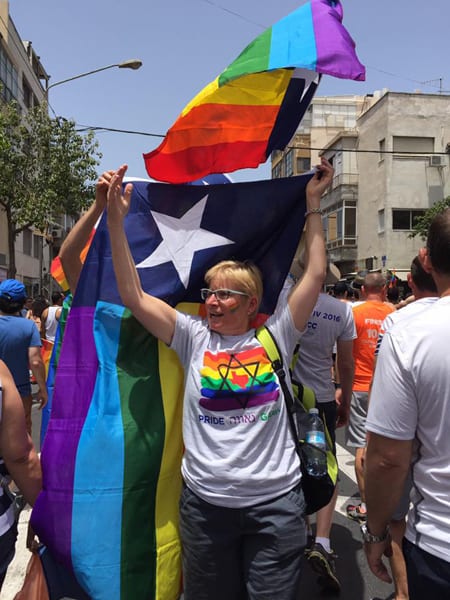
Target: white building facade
[407, 176]
[23, 79]
[390, 152]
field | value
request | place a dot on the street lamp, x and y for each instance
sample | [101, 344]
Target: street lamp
[126, 64]
[133, 64]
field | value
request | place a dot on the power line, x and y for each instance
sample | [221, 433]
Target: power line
[97, 128]
[82, 128]
[427, 83]
[359, 151]
[235, 14]
[252, 22]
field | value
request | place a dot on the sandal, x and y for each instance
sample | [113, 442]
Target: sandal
[354, 512]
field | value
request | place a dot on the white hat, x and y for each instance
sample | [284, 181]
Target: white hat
[333, 274]
[298, 266]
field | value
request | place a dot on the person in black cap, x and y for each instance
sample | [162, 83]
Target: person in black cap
[20, 345]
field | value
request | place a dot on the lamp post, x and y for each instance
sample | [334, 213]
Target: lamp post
[133, 64]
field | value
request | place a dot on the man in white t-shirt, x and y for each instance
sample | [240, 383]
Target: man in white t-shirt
[330, 330]
[50, 317]
[425, 293]
[330, 323]
[408, 422]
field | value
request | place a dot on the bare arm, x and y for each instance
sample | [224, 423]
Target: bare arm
[304, 295]
[15, 444]
[38, 369]
[154, 314]
[44, 315]
[345, 368]
[77, 239]
[386, 466]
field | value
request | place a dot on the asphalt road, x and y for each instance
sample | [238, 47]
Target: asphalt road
[357, 582]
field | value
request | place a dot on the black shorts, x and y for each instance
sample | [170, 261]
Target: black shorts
[7, 548]
[328, 414]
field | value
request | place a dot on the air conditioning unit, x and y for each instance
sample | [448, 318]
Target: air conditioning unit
[438, 161]
[57, 233]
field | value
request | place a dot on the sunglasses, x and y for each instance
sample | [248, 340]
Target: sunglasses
[221, 294]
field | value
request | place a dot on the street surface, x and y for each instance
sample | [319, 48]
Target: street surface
[357, 581]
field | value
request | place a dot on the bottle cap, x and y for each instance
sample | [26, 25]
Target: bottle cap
[313, 411]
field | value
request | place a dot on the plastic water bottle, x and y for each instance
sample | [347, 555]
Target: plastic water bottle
[316, 446]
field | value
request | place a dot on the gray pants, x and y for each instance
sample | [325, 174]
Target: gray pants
[250, 553]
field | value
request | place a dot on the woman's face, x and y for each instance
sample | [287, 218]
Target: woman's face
[230, 316]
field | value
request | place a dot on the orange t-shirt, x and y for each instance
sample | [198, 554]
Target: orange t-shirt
[368, 319]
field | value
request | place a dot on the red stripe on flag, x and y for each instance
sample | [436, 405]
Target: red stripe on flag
[195, 163]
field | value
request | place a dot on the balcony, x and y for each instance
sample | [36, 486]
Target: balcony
[345, 179]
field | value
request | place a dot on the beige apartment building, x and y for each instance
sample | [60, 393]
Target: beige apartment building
[23, 79]
[390, 152]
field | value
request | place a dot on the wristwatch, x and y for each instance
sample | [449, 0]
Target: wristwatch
[369, 538]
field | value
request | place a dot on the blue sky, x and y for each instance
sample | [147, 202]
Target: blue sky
[184, 44]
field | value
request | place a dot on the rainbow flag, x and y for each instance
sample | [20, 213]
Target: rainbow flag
[57, 272]
[112, 452]
[254, 107]
[56, 268]
[52, 364]
[46, 353]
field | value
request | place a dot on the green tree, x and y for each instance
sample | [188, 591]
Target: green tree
[47, 169]
[422, 224]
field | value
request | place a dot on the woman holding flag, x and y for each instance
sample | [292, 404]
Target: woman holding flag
[241, 509]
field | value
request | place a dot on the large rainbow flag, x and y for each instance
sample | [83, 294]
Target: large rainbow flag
[256, 104]
[53, 363]
[111, 456]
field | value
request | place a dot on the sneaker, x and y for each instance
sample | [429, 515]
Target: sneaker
[310, 541]
[322, 562]
[354, 512]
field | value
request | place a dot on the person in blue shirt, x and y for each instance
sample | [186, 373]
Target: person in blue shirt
[20, 345]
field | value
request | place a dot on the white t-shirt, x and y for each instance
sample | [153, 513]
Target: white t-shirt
[394, 317]
[410, 399]
[239, 450]
[51, 323]
[331, 320]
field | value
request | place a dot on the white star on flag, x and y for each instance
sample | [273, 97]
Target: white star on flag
[181, 239]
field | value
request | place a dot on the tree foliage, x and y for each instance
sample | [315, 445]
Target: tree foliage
[422, 224]
[47, 169]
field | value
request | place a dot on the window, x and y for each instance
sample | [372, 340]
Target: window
[350, 222]
[276, 171]
[404, 220]
[381, 149]
[381, 220]
[339, 223]
[27, 94]
[303, 164]
[27, 238]
[331, 227]
[37, 241]
[411, 144]
[8, 77]
[289, 163]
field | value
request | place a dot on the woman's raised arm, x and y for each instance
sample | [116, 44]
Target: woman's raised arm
[154, 314]
[304, 296]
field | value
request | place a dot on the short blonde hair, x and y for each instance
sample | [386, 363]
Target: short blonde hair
[247, 276]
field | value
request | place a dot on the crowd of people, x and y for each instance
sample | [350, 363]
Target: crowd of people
[379, 367]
